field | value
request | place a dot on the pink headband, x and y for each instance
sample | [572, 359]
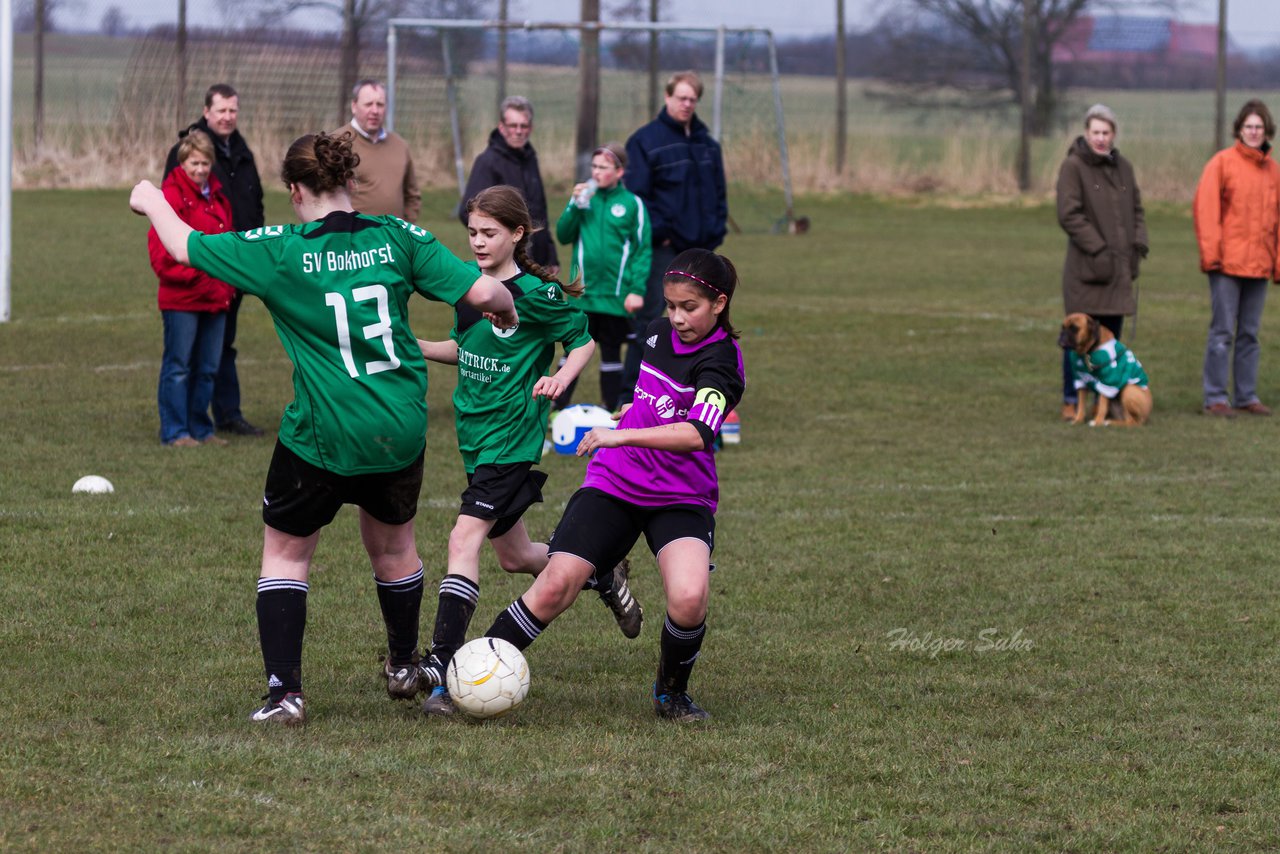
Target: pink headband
[695, 278]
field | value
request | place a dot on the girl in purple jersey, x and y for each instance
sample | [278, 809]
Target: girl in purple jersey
[654, 475]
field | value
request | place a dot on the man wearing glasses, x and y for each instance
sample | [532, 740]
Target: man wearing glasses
[510, 159]
[677, 170]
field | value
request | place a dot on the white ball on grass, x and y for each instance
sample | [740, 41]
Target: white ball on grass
[93, 484]
[487, 677]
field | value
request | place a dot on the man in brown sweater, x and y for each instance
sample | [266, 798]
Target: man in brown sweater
[384, 182]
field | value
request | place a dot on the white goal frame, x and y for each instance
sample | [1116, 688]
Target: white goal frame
[397, 24]
[6, 157]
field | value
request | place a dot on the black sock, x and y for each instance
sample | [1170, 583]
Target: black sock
[401, 602]
[282, 619]
[458, 597]
[680, 648]
[610, 382]
[517, 625]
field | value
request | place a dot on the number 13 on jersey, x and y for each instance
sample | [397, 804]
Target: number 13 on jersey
[380, 330]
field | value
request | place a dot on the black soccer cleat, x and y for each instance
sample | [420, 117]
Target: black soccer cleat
[678, 706]
[626, 610]
[289, 710]
[430, 673]
[404, 681]
[438, 702]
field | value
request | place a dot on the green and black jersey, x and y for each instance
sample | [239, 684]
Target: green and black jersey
[498, 419]
[338, 291]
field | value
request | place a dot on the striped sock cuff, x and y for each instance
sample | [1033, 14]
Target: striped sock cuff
[402, 584]
[460, 587]
[530, 625]
[271, 585]
[685, 634]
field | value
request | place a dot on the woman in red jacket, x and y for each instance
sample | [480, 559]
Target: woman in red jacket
[192, 305]
[1237, 216]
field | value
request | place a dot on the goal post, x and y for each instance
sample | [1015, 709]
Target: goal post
[744, 87]
[6, 157]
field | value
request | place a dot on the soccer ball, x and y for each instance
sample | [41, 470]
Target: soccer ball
[487, 677]
[92, 484]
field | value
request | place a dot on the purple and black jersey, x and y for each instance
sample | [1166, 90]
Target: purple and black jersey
[699, 383]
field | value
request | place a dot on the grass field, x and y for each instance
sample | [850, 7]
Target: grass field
[942, 620]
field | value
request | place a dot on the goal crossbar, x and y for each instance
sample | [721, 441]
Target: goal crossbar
[720, 31]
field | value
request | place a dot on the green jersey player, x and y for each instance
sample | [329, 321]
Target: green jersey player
[501, 405]
[337, 287]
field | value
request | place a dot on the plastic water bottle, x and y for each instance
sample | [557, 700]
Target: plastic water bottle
[731, 430]
[583, 199]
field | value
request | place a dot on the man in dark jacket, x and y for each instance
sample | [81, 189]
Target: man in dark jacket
[510, 159]
[677, 169]
[238, 173]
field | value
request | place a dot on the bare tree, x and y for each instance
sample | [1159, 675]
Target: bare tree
[635, 50]
[996, 27]
[37, 17]
[113, 22]
[588, 85]
[358, 18]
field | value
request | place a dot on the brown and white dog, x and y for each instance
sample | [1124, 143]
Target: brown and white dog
[1083, 335]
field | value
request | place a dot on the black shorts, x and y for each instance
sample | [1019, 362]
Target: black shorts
[601, 529]
[502, 492]
[608, 329]
[300, 498]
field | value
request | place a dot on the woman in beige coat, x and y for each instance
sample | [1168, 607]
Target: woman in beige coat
[1100, 209]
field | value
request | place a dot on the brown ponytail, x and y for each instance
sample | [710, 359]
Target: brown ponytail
[320, 162]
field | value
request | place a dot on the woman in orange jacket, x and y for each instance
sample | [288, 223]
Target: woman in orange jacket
[1237, 217]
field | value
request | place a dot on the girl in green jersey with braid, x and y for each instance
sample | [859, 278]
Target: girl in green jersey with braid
[337, 287]
[501, 405]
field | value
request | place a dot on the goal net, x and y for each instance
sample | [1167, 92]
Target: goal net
[477, 63]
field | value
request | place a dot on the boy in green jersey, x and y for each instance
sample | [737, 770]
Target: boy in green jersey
[501, 403]
[337, 287]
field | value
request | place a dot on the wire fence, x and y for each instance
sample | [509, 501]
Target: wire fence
[111, 112]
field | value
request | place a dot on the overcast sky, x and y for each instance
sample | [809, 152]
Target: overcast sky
[1251, 22]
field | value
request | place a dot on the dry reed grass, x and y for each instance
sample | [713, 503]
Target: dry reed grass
[968, 166]
[107, 131]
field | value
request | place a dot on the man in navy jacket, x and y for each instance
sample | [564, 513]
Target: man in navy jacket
[677, 169]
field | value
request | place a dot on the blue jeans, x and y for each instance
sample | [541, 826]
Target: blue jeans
[192, 350]
[654, 303]
[1237, 313]
[226, 385]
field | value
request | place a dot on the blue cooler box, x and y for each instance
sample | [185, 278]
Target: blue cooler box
[574, 422]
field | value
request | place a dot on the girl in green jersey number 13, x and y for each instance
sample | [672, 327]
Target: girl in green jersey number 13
[337, 288]
[501, 403]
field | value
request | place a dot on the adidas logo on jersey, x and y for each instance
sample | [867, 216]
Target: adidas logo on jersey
[651, 341]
